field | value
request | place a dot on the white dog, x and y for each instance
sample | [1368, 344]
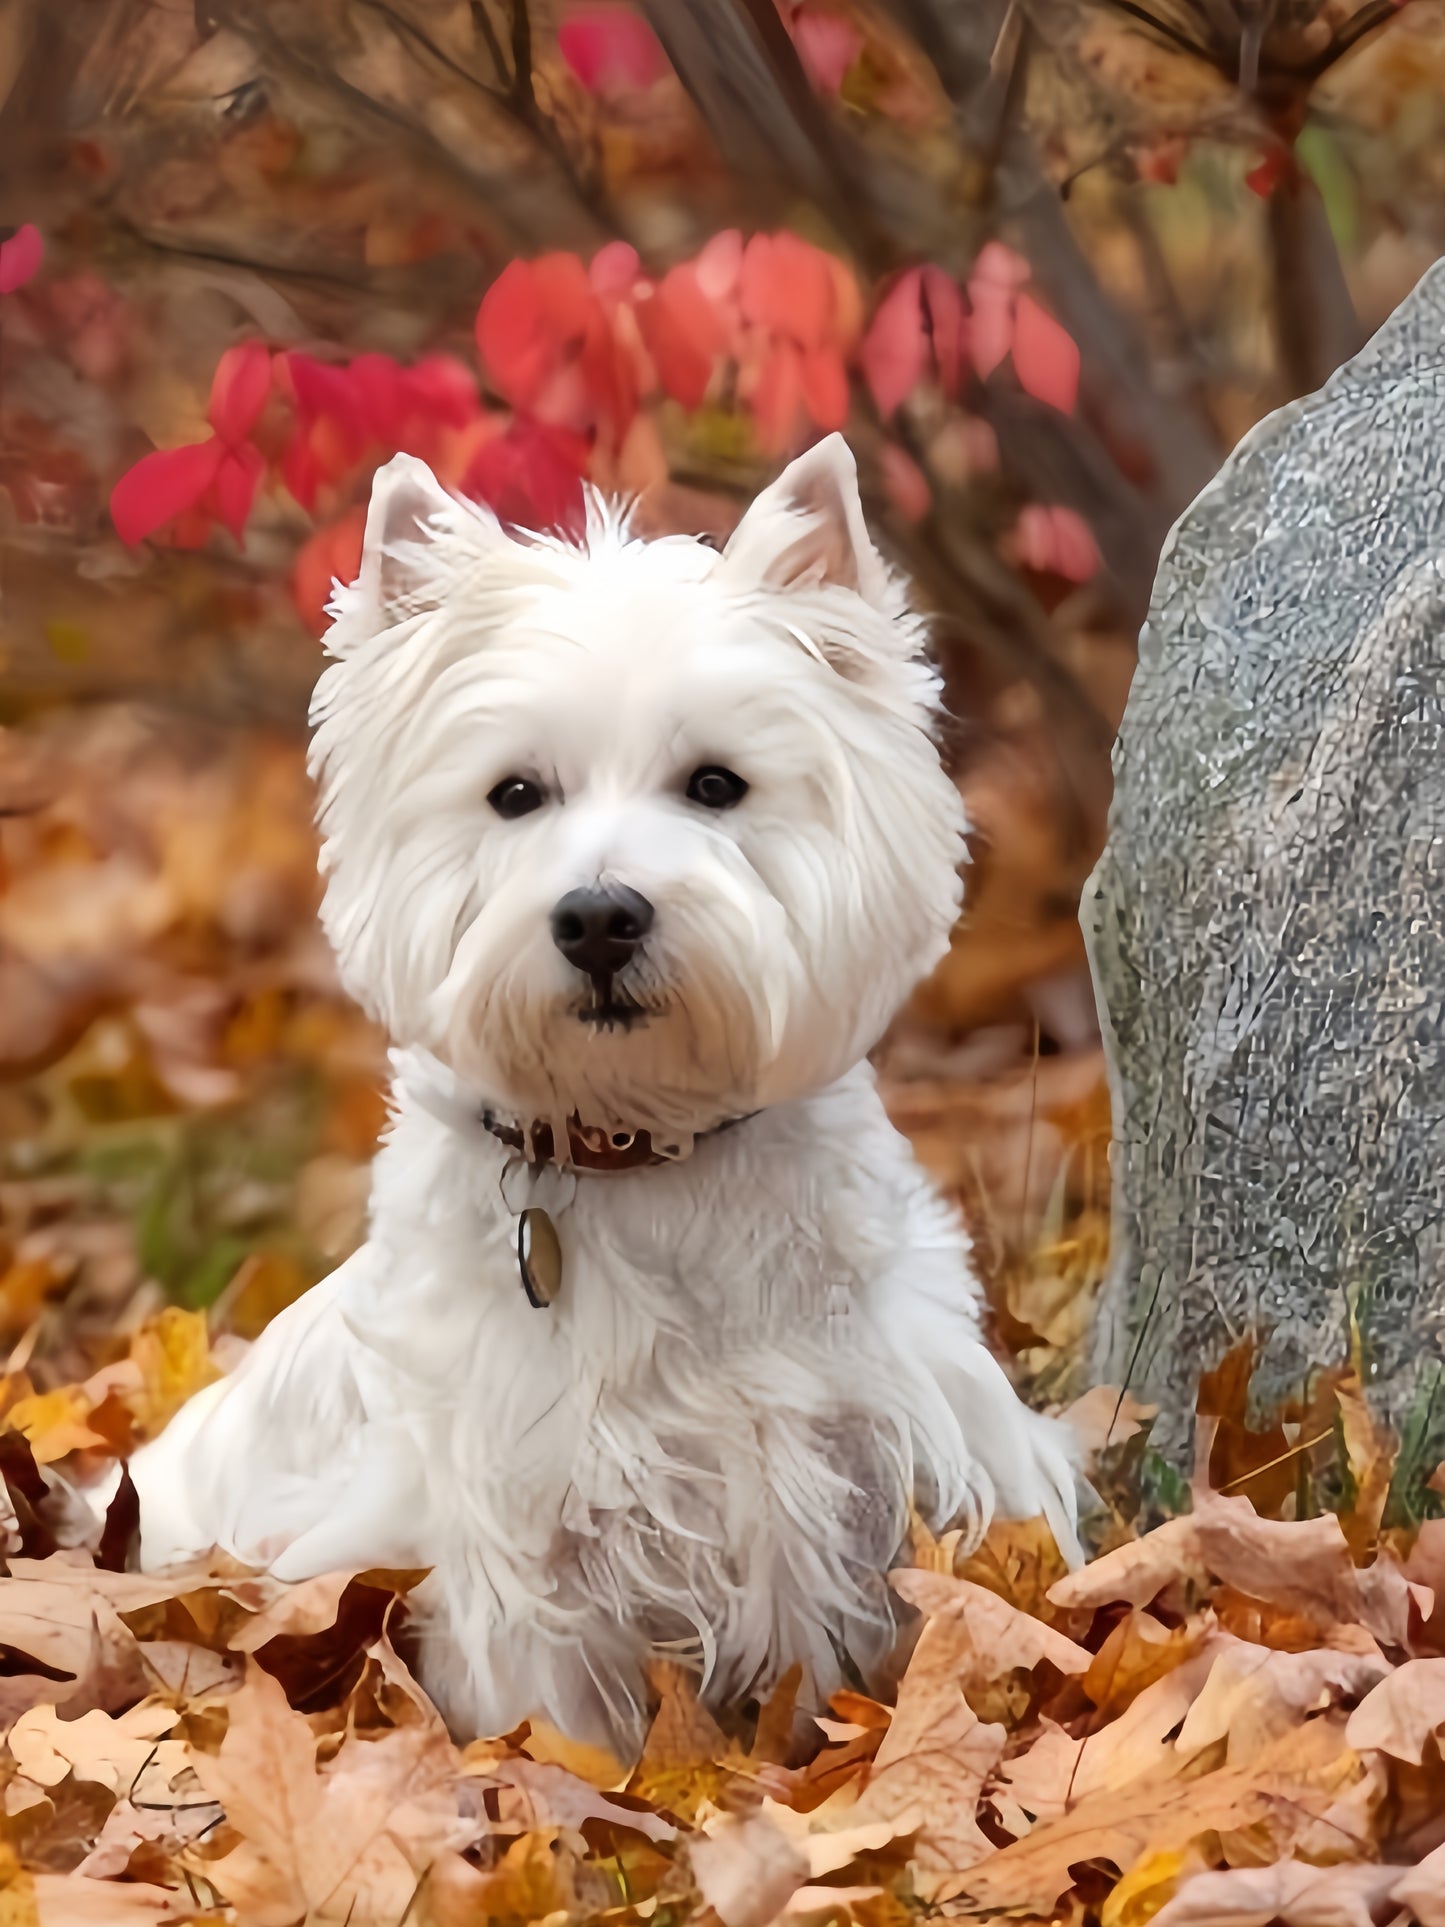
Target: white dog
[634, 848]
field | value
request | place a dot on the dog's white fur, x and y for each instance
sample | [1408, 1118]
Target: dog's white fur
[707, 1446]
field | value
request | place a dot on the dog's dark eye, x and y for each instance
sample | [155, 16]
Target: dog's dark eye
[715, 788]
[515, 796]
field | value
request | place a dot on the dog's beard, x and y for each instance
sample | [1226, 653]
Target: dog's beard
[669, 1044]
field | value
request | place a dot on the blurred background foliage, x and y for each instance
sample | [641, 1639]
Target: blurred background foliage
[1045, 261]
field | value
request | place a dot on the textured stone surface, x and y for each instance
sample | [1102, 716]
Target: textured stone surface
[1267, 924]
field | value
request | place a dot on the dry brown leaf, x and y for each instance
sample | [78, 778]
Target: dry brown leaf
[307, 1607]
[829, 1837]
[1302, 1566]
[74, 1900]
[1255, 1695]
[679, 1769]
[930, 1769]
[550, 1796]
[1058, 1770]
[1139, 1650]
[167, 1826]
[1422, 1890]
[1163, 1813]
[1403, 1712]
[1289, 1893]
[996, 1637]
[747, 1870]
[593, 1764]
[1370, 1451]
[124, 1752]
[1104, 1416]
[532, 1882]
[349, 1841]
[63, 1613]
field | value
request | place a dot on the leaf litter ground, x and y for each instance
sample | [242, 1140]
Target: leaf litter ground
[1233, 1715]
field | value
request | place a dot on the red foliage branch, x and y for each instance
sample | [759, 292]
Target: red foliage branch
[575, 357]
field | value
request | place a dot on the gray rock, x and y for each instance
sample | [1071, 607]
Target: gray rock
[1267, 924]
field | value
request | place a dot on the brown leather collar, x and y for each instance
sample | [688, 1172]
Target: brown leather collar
[589, 1148]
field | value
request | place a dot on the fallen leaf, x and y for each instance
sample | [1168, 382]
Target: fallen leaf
[65, 1615]
[556, 1798]
[1161, 1814]
[116, 1752]
[308, 1607]
[56, 1423]
[1146, 1887]
[747, 1870]
[1303, 1566]
[1423, 1890]
[173, 1355]
[1254, 1695]
[1404, 1710]
[995, 1636]
[347, 1842]
[930, 1770]
[1288, 1893]
[1105, 1416]
[1058, 1769]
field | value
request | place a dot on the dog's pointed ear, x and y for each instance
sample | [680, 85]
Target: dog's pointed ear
[807, 530]
[397, 579]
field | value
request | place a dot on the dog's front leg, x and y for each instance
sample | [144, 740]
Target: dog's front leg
[973, 1431]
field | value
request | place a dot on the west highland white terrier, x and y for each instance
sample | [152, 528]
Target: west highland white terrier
[634, 847]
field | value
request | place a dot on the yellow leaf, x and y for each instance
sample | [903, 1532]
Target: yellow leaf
[55, 1423]
[173, 1352]
[1144, 1890]
[17, 1892]
[590, 1763]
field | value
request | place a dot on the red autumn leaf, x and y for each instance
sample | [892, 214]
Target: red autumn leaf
[530, 317]
[895, 349]
[610, 49]
[239, 389]
[514, 350]
[609, 381]
[1045, 355]
[825, 387]
[531, 476]
[719, 266]
[614, 269]
[777, 398]
[1160, 158]
[904, 483]
[319, 387]
[1264, 178]
[331, 555]
[827, 46]
[238, 476]
[787, 287]
[162, 487]
[20, 256]
[443, 388]
[376, 383]
[947, 327]
[991, 329]
[1055, 541]
[997, 275]
[683, 334]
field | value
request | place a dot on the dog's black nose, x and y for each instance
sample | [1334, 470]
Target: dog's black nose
[598, 928]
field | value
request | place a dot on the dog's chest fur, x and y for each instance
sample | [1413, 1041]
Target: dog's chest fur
[709, 1433]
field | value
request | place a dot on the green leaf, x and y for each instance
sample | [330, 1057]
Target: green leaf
[1331, 174]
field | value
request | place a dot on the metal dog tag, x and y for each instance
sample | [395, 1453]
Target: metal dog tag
[539, 1257]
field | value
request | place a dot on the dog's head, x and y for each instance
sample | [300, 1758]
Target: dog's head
[634, 829]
